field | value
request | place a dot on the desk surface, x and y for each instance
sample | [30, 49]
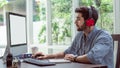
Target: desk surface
[62, 65]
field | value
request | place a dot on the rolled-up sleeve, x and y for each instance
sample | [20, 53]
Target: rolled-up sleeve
[73, 48]
[101, 48]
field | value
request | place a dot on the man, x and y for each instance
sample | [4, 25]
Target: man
[91, 45]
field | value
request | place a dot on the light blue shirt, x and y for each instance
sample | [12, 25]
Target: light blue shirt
[101, 52]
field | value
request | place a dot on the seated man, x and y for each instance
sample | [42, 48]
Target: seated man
[91, 45]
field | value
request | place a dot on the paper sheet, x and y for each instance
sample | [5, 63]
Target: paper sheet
[59, 61]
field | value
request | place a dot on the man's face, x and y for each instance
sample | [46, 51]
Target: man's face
[80, 22]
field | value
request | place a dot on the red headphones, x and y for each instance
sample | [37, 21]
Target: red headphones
[90, 21]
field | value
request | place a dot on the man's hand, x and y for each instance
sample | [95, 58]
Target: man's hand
[81, 59]
[69, 57]
[39, 54]
[42, 57]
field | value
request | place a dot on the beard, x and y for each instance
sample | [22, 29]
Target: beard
[81, 28]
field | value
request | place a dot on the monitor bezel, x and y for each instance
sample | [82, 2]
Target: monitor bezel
[9, 29]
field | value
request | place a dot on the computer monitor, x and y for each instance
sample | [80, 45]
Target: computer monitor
[16, 33]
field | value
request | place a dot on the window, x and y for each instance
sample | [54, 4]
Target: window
[3, 38]
[39, 21]
[60, 21]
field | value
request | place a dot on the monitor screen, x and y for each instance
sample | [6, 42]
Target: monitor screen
[17, 29]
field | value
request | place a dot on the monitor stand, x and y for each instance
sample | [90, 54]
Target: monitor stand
[16, 50]
[7, 50]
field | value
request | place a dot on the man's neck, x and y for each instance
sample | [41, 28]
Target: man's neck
[88, 30]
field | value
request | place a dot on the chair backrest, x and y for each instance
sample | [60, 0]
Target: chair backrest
[116, 37]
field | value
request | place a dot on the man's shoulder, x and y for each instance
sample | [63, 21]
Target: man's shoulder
[105, 34]
[102, 30]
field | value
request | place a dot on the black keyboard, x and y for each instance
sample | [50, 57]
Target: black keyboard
[38, 62]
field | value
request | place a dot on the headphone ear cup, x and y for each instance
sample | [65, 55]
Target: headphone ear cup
[90, 22]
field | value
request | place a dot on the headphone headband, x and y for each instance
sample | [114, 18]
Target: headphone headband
[90, 21]
[90, 12]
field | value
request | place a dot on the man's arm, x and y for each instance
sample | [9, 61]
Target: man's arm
[57, 55]
[49, 56]
[82, 59]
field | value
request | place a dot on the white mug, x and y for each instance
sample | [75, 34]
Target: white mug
[34, 50]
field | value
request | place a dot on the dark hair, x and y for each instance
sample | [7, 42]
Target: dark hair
[85, 12]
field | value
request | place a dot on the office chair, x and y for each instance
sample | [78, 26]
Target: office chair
[116, 37]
